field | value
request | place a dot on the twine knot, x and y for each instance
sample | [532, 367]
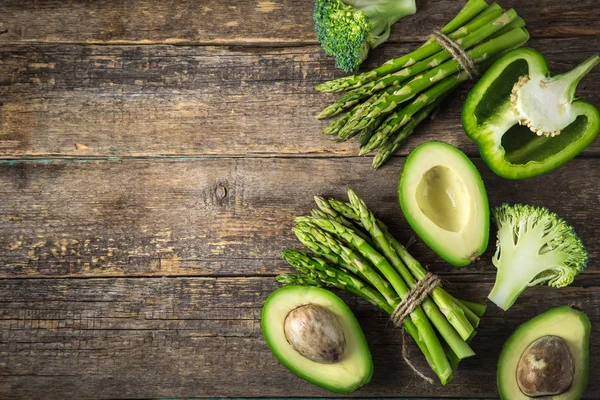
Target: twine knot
[412, 300]
[414, 297]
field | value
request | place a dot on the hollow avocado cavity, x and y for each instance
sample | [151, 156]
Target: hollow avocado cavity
[443, 198]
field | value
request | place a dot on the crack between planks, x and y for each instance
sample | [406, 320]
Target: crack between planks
[45, 159]
[257, 43]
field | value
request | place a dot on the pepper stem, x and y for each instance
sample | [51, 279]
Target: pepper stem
[571, 79]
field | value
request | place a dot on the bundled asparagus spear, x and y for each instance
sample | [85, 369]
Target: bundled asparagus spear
[354, 251]
[384, 105]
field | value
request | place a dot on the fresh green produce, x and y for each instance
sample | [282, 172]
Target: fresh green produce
[546, 356]
[385, 105]
[348, 29]
[535, 247]
[315, 335]
[354, 251]
[456, 28]
[525, 121]
[444, 200]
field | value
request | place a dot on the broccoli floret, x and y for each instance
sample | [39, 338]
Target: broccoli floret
[348, 29]
[534, 247]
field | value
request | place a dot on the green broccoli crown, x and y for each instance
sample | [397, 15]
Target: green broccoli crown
[559, 253]
[348, 29]
[343, 32]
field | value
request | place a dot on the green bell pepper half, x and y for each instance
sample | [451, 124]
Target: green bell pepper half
[526, 122]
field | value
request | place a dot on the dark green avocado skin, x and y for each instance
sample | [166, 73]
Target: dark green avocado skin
[560, 319]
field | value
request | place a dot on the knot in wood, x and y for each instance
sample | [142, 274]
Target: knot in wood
[221, 192]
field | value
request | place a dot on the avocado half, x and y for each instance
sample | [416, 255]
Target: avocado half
[444, 200]
[355, 366]
[564, 322]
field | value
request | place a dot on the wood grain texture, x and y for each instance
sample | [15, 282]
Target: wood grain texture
[220, 216]
[123, 101]
[188, 337]
[154, 155]
[246, 21]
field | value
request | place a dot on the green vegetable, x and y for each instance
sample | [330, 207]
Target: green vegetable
[547, 356]
[317, 268]
[535, 247]
[349, 99]
[397, 137]
[444, 200]
[348, 29]
[315, 335]
[385, 105]
[356, 253]
[405, 114]
[447, 304]
[526, 122]
[456, 28]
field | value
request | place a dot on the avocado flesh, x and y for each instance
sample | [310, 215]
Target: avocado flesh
[355, 367]
[444, 200]
[565, 322]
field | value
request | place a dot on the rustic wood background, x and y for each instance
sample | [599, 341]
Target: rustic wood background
[153, 156]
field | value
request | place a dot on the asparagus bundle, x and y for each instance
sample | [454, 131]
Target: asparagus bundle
[354, 251]
[383, 106]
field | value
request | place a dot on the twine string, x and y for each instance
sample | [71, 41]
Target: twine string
[412, 300]
[414, 297]
[457, 52]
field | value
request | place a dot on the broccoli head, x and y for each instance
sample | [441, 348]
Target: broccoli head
[534, 247]
[348, 29]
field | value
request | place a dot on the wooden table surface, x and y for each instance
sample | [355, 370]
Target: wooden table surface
[153, 157]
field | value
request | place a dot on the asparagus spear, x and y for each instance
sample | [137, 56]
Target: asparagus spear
[439, 294]
[476, 308]
[353, 97]
[323, 280]
[417, 316]
[438, 357]
[470, 10]
[445, 301]
[386, 104]
[319, 268]
[334, 127]
[309, 236]
[451, 324]
[401, 117]
[392, 144]
[341, 220]
[344, 134]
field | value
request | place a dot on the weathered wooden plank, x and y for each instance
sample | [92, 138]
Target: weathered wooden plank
[191, 337]
[188, 101]
[221, 216]
[247, 21]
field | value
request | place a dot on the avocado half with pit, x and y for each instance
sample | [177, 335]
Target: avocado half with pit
[547, 356]
[315, 335]
[444, 200]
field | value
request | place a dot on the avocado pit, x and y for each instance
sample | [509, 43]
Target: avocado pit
[315, 333]
[546, 367]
